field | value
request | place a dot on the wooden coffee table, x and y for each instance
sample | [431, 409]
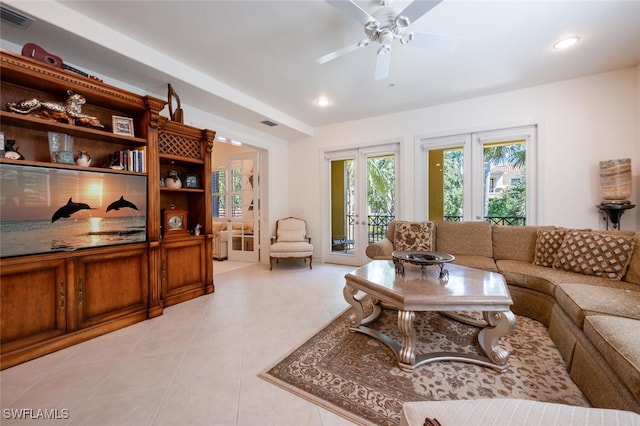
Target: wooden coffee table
[466, 289]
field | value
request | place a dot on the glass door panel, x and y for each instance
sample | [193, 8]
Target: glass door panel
[505, 183]
[362, 201]
[243, 217]
[446, 184]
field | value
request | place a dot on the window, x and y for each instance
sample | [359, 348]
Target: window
[480, 176]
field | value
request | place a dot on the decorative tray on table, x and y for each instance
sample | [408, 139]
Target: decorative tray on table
[422, 259]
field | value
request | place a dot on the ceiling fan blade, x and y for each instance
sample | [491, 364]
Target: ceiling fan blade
[340, 52]
[418, 8]
[439, 42]
[352, 10]
[383, 61]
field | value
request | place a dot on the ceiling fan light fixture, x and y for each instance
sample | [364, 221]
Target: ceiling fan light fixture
[406, 38]
[322, 102]
[384, 49]
[566, 43]
[402, 21]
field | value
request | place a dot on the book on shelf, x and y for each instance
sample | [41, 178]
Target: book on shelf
[130, 159]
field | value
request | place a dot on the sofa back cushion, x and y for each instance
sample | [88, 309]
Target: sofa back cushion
[414, 236]
[604, 254]
[470, 238]
[514, 242]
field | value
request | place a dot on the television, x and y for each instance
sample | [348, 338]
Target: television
[46, 209]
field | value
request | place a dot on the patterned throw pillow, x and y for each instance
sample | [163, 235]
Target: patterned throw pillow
[414, 236]
[605, 255]
[548, 241]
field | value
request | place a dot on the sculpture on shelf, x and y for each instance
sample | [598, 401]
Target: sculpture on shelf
[70, 111]
[177, 114]
[173, 180]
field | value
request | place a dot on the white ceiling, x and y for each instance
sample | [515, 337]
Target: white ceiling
[248, 61]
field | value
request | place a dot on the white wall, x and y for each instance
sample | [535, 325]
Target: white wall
[581, 122]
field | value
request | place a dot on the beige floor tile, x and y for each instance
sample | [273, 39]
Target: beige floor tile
[136, 408]
[197, 363]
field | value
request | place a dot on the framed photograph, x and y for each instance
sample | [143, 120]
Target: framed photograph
[191, 181]
[123, 125]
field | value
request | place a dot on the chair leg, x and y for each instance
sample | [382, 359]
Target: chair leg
[270, 263]
[310, 259]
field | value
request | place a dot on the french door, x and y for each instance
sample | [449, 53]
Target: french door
[243, 213]
[487, 175]
[361, 195]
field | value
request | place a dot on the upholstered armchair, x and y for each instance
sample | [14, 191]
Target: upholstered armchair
[291, 241]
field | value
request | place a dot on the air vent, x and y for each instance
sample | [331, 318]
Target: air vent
[16, 18]
[269, 123]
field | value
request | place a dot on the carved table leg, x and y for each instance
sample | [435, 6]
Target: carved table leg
[407, 353]
[349, 295]
[499, 324]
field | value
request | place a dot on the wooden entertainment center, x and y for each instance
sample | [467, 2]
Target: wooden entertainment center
[55, 299]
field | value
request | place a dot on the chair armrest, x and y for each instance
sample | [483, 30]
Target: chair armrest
[379, 249]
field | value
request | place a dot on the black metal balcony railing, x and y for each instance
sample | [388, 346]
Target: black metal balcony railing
[377, 227]
[495, 220]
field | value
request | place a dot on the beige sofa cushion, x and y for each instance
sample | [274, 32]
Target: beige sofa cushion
[602, 254]
[540, 278]
[414, 236]
[464, 238]
[480, 262]
[617, 341]
[581, 300]
[515, 242]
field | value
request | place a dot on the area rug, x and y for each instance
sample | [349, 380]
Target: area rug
[357, 376]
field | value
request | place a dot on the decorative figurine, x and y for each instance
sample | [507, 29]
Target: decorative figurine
[173, 180]
[83, 159]
[11, 152]
[70, 111]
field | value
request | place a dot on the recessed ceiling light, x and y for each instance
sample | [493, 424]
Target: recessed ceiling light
[323, 102]
[565, 43]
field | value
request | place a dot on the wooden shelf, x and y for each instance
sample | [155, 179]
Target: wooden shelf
[67, 166]
[164, 189]
[15, 119]
[166, 158]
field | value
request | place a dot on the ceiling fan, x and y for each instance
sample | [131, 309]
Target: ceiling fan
[384, 26]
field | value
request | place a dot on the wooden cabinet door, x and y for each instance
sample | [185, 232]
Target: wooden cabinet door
[183, 270]
[112, 286]
[34, 303]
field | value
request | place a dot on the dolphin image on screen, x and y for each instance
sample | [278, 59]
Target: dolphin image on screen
[121, 203]
[69, 209]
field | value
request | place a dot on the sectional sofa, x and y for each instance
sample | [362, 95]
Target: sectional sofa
[584, 285]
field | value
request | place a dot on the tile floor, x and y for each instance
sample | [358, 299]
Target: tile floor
[195, 365]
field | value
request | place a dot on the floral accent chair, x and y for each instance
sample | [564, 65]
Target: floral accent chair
[291, 241]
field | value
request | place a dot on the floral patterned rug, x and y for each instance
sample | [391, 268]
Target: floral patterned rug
[357, 376]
